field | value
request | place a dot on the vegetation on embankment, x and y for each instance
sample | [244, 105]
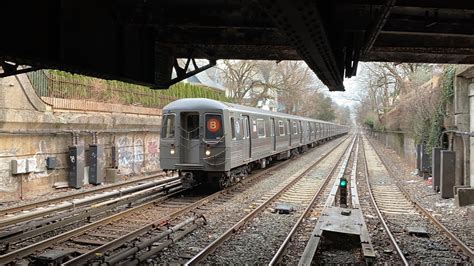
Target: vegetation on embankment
[60, 84]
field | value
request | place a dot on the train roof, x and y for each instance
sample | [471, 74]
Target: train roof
[200, 104]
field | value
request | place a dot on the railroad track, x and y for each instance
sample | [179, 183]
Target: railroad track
[290, 250]
[90, 240]
[400, 213]
[340, 234]
[297, 190]
[22, 235]
[26, 212]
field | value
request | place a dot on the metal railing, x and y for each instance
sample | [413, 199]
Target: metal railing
[50, 86]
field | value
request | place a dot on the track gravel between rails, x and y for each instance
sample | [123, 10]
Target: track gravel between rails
[222, 215]
[400, 215]
[385, 251]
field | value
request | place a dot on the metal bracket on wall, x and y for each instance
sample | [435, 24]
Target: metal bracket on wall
[11, 68]
[185, 72]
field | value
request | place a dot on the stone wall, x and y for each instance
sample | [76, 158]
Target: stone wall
[32, 129]
[401, 143]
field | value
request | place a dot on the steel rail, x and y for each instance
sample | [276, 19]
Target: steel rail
[37, 204]
[73, 204]
[221, 239]
[79, 215]
[28, 250]
[281, 251]
[379, 213]
[84, 258]
[468, 251]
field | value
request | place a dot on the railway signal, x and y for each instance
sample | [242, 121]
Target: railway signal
[343, 192]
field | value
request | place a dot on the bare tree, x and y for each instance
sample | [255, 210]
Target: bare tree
[239, 76]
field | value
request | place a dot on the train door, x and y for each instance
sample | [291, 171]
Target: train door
[272, 133]
[246, 139]
[301, 131]
[289, 132]
[190, 138]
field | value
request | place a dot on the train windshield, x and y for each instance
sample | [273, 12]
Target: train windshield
[168, 126]
[213, 126]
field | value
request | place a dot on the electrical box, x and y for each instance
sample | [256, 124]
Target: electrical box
[96, 164]
[76, 166]
[19, 166]
[115, 157]
[31, 165]
[51, 163]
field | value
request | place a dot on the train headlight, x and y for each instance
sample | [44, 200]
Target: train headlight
[208, 152]
[172, 151]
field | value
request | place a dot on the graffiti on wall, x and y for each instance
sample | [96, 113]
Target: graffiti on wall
[131, 154]
[153, 155]
[139, 155]
[125, 154]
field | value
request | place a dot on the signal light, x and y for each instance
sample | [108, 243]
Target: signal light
[343, 182]
[343, 192]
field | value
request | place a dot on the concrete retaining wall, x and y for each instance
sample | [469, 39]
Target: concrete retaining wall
[30, 128]
[401, 143]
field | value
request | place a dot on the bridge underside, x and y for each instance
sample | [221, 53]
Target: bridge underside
[139, 41]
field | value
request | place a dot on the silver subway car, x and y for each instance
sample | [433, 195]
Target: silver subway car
[220, 143]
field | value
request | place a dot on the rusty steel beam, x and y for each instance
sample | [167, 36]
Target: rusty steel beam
[303, 25]
[377, 26]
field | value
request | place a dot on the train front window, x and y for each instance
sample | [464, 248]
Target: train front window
[214, 129]
[168, 126]
[190, 125]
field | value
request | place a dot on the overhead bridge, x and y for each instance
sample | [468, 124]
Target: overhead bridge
[140, 41]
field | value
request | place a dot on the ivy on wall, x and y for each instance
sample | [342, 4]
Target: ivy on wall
[434, 126]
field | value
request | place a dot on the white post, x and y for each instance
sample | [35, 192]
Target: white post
[471, 127]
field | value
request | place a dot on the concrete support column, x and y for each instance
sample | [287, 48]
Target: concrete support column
[447, 173]
[470, 181]
[436, 161]
[458, 147]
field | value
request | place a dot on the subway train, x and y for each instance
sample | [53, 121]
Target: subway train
[219, 143]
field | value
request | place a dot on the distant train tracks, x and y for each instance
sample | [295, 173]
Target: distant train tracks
[394, 204]
[161, 217]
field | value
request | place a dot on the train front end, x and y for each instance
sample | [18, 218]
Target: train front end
[193, 140]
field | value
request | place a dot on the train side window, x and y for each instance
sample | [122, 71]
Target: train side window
[168, 126]
[232, 126]
[214, 126]
[295, 128]
[261, 128]
[281, 128]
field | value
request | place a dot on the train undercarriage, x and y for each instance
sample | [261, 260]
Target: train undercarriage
[221, 180]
